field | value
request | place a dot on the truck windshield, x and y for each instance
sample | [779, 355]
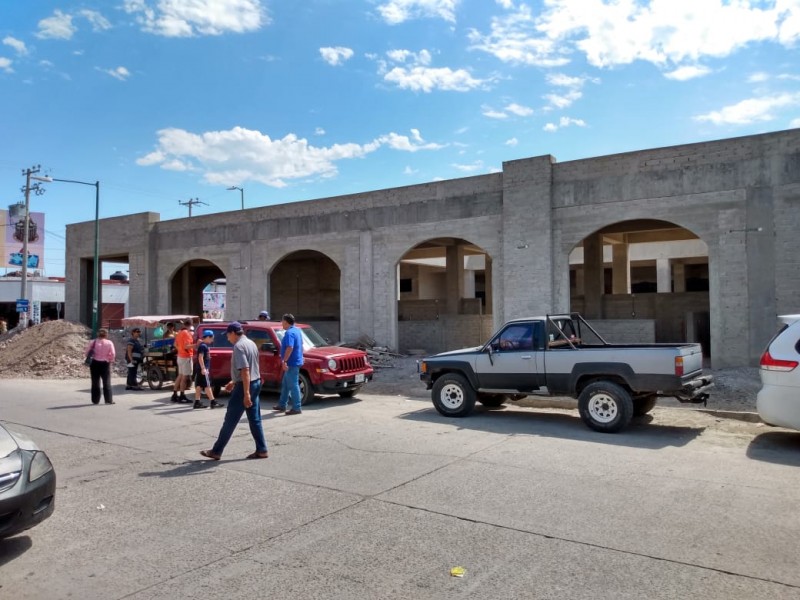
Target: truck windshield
[311, 339]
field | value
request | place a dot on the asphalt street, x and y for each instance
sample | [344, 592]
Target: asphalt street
[380, 497]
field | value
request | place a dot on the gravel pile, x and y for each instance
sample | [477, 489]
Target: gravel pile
[52, 350]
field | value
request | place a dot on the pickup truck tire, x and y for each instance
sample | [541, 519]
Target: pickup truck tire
[453, 396]
[605, 406]
[492, 400]
[642, 406]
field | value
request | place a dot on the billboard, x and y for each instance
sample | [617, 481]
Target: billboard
[15, 234]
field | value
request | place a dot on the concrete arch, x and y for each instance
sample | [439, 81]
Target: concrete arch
[187, 282]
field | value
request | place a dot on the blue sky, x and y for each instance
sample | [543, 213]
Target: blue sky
[168, 100]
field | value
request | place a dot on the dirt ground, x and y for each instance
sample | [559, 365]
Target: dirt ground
[54, 350]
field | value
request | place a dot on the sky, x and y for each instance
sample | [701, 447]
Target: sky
[167, 101]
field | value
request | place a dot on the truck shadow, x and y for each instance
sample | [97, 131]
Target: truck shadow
[780, 447]
[564, 425]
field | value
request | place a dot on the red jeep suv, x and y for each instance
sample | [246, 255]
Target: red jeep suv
[326, 369]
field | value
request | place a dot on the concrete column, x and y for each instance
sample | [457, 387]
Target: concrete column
[679, 276]
[580, 287]
[593, 276]
[620, 269]
[489, 279]
[663, 276]
[455, 278]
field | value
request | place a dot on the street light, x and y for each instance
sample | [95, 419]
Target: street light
[96, 279]
[234, 187]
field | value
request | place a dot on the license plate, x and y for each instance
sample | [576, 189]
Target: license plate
[360, 378]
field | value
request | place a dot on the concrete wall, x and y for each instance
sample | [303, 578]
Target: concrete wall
[740, 196]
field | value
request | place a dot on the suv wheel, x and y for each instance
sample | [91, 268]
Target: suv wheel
[453, 396]
[306, 389]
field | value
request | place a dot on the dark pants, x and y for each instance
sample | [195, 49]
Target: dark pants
[234, 413]
[133, 375]
[100, 371]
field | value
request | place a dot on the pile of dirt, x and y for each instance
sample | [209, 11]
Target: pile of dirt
[51, 350]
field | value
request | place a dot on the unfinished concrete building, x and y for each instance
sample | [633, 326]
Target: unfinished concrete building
[686, 243]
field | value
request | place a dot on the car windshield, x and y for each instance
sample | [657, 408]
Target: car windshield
[311, 339]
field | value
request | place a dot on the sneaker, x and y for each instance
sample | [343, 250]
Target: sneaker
[294, 412]
[184, 399]
[174, 398]
[215, 404]
[279, 408]
[198, 404]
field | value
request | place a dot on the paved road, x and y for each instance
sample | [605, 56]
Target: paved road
[380, 498]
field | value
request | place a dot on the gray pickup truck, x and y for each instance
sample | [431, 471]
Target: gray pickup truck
[562, 355]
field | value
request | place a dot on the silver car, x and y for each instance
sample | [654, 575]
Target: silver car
[27, 484]
[778, 400]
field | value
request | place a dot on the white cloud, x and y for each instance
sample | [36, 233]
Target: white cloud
[759, 77]
[519, 110]
[562, 100]
[509, 142]
[120, 73]
[398, 11]
[751, 110]
[17, 45]
[58, 27]
[488, 111]
[317, 131]
[97, 21]
[237, 155]
[471, 168]
[564, 122]
[426, 79]
[792, 124]
[687, 72]
[186, 18]
[5, 65]
[666, 33]
[337, 55]
[406, 171]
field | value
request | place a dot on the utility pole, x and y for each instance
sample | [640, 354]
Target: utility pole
[190, 203]
[241, 191]
[35, 188]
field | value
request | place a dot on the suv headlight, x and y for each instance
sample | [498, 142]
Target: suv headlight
[331, 364]
[40, 466]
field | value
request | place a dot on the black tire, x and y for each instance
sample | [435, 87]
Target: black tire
[141, 375]
[155, 377]
[348, 393]
[492, 400]
[642, 406]
[605, 406]
[306, 389]
[453, 396]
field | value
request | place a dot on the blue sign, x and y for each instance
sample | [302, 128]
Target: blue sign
[22, 305]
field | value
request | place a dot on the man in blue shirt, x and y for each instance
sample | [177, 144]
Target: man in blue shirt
[291, 361]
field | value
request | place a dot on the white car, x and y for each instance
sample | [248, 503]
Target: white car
[778, 400]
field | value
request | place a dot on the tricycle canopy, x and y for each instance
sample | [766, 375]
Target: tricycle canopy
[156, 320]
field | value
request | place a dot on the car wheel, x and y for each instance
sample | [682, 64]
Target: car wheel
[306, 390]
[453, 396]
[348, 393]
[492, 400]
[605, 406]
[155, 377]
[642, 406]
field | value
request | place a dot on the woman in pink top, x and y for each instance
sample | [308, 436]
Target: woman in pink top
[103, 357]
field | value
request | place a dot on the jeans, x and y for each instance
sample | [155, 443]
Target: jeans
[100, 371]
[234, 413]
[290, 386]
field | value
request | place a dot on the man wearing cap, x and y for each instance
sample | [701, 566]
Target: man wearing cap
[202, 371]
[245, 387]
[133, 354]
[263, 315]
[184, 344]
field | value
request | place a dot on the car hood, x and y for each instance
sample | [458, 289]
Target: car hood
[10, 441]
[457, 352]
[326, 352]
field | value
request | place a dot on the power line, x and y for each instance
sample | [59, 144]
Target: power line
[190, 203]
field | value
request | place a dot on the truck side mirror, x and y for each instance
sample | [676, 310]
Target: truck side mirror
[269, 347]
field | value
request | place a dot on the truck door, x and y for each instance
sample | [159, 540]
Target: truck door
[511, 358]
[266, 358]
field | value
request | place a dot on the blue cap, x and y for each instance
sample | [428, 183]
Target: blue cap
[208, 333]
[264, 314]
[235, 327]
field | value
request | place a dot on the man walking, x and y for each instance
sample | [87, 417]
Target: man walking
[133, 354]
[184, 344]
[291, 361]
[245, 386]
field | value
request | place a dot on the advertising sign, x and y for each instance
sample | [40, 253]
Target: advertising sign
[14, 236]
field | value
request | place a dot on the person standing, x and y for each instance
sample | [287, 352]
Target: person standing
[103, 355]
[263, 315]
[245, 387]
[169, 332]
[202, 372]
[133, 354]
[184, 344]
[291, 361]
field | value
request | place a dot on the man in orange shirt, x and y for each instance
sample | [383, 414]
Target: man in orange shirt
[184, 344]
